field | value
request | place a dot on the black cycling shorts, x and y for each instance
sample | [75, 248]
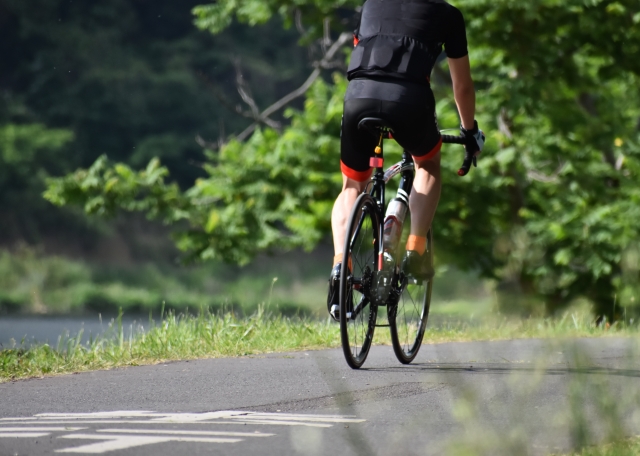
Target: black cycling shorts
[414, 124]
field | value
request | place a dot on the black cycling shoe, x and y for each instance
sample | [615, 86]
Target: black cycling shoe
[333, 298]
[417, 266]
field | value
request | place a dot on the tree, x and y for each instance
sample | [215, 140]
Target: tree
[550, 213]
[131, 79]
[22, 146]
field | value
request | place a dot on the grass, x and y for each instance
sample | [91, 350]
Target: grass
[626, 447]
[209, 335]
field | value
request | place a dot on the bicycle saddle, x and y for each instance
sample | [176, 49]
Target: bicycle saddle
[375, 126]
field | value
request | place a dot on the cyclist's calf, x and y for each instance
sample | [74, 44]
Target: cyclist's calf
[425, 195]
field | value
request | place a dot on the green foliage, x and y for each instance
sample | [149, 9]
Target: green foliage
[28, 153]
[551, 212]
[274, 191]
[103, 189]
[218, 16]
[560, 81]
[34, 283]
[31, 283]
[134, 80]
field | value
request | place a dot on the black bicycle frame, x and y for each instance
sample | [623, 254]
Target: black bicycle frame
[378, 183]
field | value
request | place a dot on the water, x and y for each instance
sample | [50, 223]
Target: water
[49, 329]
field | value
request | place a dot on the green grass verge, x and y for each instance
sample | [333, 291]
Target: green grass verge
[627, 447]
[210, 336]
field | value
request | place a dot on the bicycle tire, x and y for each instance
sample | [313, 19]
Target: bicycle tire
[408, 319]
[357, 312]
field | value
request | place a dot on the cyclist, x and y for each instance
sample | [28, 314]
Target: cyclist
[396, 46]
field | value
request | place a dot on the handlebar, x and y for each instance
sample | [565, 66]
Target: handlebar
[468, 158]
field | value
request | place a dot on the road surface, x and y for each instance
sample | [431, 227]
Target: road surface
[516, 396]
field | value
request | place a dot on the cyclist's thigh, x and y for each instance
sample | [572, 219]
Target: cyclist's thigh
[415, 127]
[356, 146]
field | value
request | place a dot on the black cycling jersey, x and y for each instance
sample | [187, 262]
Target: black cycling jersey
[403, 38]
[397, 44]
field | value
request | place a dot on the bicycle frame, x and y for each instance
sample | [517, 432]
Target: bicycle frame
[378, 182]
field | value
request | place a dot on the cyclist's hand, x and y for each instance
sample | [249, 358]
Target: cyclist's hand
[474, 139]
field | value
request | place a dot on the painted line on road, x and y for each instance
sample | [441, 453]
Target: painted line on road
[236, 422]
[116, 414]
[277, 417]
[157, 427]
[40, 428]
[276, 423]
[188, 417]
[23, 434]
[122, 442]
[158, 431]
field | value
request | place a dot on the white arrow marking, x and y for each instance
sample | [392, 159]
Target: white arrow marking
[122, 442]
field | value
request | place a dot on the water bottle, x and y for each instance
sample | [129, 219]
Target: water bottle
[393, 220]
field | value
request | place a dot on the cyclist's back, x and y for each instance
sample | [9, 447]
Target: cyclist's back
[403, 39]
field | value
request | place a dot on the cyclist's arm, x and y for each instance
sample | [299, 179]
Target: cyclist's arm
[463, 90]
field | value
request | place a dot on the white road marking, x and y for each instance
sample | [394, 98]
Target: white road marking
[193, 417]
[121, 442]
[118, 414]
[277, 423]
[23, 434]
[40, 428]
[114, 438]
[237, 422]
[284, 417]
[156, 431]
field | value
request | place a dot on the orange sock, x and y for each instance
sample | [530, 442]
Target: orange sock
[417, 243]
[338, 259]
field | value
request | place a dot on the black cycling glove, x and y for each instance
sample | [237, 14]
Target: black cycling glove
[474, 139]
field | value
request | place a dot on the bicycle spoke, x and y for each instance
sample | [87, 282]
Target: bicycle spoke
[409, 319]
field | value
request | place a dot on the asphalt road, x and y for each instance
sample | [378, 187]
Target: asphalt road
[508, 397]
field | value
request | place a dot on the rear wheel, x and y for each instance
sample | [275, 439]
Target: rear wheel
[408, 319]
[357, 313]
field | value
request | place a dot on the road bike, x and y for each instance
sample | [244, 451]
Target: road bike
[372, 275]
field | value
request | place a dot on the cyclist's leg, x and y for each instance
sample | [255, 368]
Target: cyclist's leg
[356, 147]
[351, 188]
[425, 196]
[417, 132]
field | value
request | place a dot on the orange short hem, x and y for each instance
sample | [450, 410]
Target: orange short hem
[432, 153]
[358, 176]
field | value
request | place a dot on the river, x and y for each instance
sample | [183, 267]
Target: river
[49, 329]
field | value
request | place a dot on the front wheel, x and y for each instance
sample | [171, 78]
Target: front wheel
[408, 319]
[357, 312]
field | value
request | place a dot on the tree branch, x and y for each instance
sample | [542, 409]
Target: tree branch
[326, 62]
[245, 94]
